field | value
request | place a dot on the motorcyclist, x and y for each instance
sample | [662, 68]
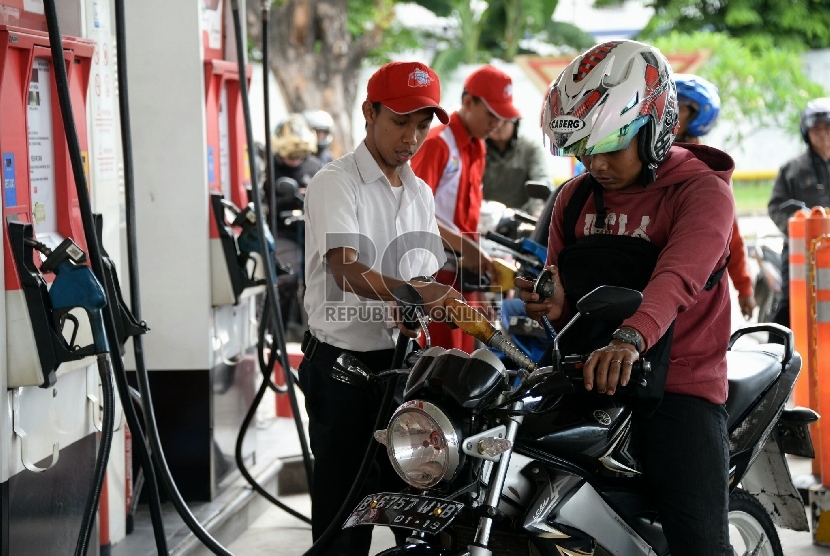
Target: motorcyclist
[699, 108]
[654, 217]
[322, 123]
[803, 179]
[294, 145]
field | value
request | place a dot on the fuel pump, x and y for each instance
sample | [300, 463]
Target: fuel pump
[50, 311]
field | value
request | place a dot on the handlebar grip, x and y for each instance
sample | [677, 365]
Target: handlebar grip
[409, 301]
[640, 370]
[504, 241]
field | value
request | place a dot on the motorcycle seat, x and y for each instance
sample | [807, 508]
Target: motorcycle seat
[750, 372]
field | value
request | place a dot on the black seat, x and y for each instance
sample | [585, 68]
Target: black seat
[750, 373]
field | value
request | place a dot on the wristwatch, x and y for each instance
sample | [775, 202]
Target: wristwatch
[629, 336]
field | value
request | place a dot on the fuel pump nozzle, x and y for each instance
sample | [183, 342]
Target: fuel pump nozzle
[75, 286]
[248, 240]
[476, 325]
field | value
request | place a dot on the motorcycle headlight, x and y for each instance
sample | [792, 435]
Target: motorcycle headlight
[422, 443]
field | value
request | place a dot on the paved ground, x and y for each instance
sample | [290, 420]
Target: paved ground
[277, 533]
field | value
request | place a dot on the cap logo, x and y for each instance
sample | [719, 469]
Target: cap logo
[566, 124]
[508, 90]
[419, 78]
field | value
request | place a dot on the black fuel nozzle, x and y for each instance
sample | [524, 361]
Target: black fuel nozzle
[38, 246]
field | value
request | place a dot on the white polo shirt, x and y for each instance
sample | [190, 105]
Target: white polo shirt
[350, 203]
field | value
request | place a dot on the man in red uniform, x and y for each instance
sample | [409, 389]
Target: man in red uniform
[451, 161]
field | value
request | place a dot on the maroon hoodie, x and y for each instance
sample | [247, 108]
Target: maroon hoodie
[688, 213]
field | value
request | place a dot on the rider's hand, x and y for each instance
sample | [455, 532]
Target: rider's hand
[747, 305]
[536, 308]
[609, 367]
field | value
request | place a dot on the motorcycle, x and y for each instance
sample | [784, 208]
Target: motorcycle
[527, 462]
[766, 252]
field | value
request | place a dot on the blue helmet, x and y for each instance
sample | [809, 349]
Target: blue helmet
[704, 95]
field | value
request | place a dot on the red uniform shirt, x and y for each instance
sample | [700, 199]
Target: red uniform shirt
[452, 164]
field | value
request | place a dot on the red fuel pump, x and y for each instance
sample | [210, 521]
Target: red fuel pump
[228, 178]
[38, 186]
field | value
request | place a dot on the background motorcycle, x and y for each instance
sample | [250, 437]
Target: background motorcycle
[545, 468]
[766, 252]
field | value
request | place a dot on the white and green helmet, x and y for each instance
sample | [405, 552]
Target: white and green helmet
[605, 97]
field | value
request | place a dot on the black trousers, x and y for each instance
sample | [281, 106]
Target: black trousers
[685, 455]
[341, 424]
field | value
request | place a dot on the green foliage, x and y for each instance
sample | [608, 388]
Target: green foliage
[760, 88]
[364, 14]
[558, 32]
[786, 23]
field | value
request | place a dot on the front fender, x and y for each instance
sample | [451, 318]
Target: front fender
[415, 549]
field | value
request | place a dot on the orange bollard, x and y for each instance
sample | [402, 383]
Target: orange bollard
[817, 225]
[821, 343]
[798, 303]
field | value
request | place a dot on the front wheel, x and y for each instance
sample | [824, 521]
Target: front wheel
[751, 530]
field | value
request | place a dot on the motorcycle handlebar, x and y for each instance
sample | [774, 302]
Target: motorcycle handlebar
[504, 241]
[572, 367]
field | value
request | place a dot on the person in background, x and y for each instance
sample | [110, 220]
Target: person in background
[804, 180]
[359, 208]
[656, 218]
[322, 124]
[699, 108]
[513, 160]
[451, 162]
[294, 145]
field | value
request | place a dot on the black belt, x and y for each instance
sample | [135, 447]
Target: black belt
[323, 355]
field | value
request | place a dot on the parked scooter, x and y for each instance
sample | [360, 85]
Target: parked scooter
[527, 462]
[766, 251]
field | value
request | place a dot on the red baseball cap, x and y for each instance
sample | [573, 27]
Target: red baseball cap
[495, 88]
[405, 87]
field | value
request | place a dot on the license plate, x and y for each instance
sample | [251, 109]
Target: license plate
[422, 513]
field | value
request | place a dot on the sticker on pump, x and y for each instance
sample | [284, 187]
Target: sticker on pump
[41, 149]
[9, 181]
[34, 6]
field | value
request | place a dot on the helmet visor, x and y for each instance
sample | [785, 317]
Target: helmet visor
[617, 141]
[812, 120]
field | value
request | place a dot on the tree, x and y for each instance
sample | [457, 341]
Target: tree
[759, 88]
[796, 24]
[317, 48]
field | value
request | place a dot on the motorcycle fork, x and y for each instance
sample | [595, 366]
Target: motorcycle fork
[496, 484]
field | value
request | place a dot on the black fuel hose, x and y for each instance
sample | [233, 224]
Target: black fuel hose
[272, 295]
[62, 85]
[142, 446]
[142, 376]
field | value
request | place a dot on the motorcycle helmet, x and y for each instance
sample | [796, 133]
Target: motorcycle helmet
[703, 97]
[608, 95]
[320, 121]
[293, 138]
[817, 111]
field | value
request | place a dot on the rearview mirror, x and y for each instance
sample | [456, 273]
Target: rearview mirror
[286, 188]
[610, 303]
[537, 190]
